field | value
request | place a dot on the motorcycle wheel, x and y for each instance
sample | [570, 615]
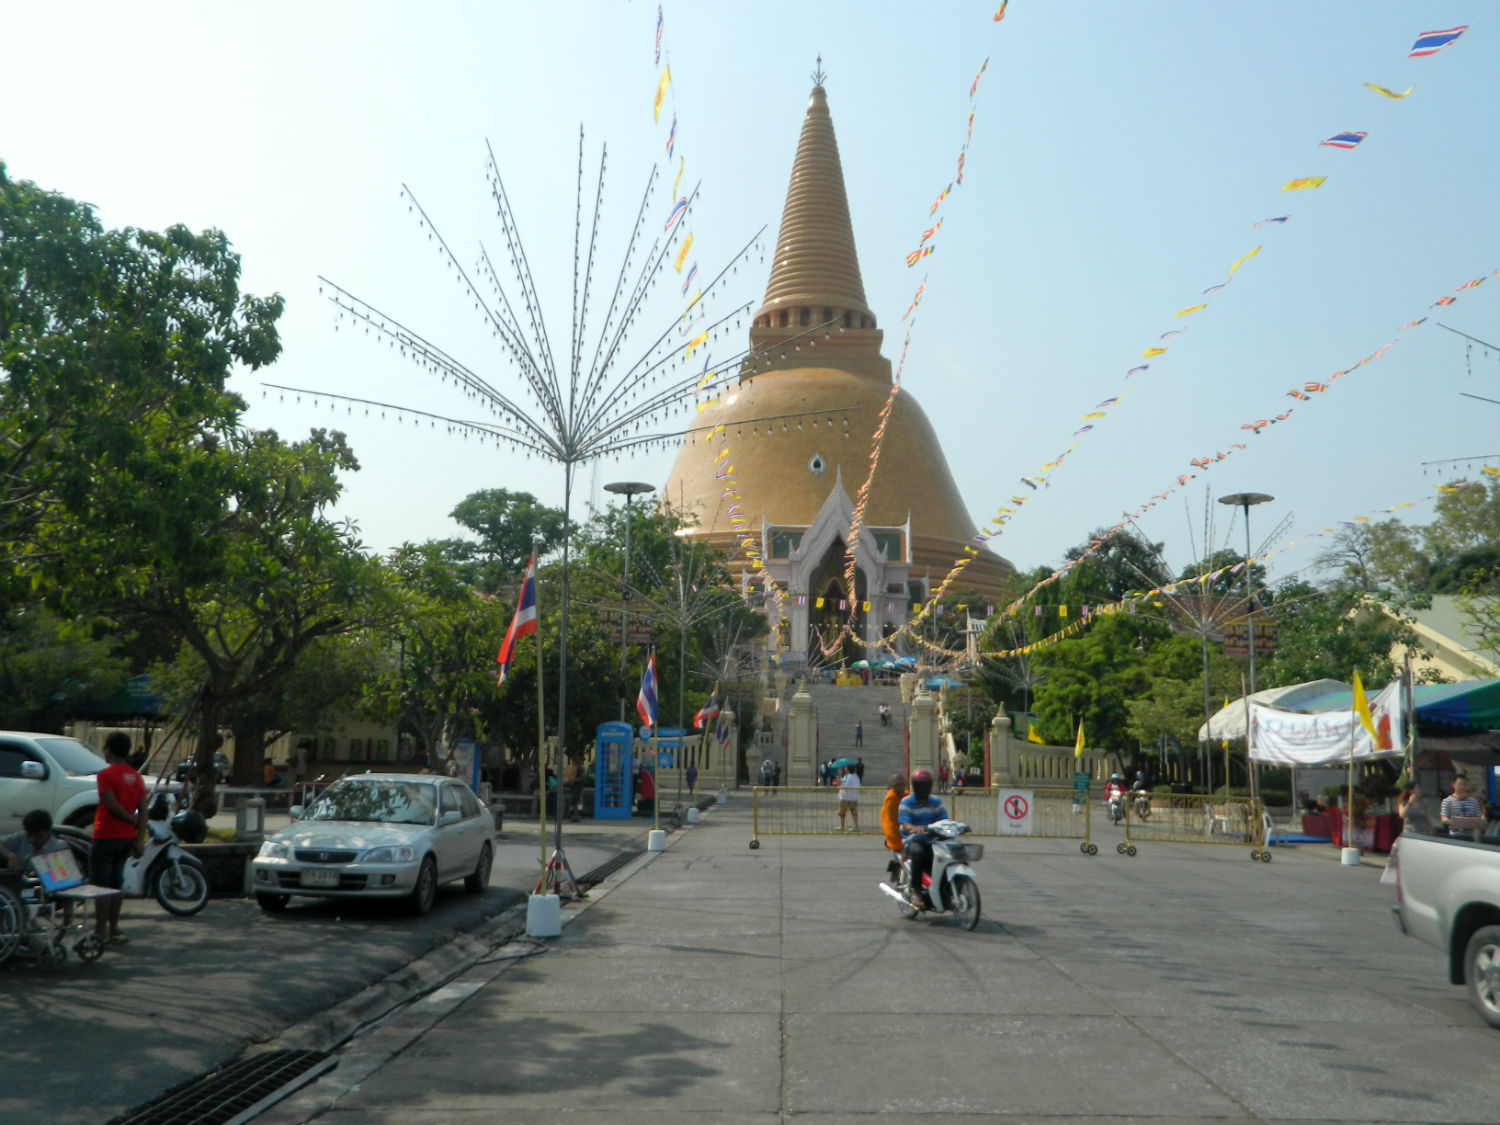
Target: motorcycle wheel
[181, 892]
[965, 902]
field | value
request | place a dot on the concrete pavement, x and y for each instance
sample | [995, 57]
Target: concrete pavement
[715, 983]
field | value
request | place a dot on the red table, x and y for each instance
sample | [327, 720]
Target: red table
[1385, 827]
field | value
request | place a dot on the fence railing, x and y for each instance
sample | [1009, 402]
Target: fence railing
[1194, 818]
[815, 811]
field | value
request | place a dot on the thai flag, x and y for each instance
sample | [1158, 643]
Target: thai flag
[721, 730]
[1431, 42]
[524, 621]
[708, 710]
[645, 701]
[1343, 140]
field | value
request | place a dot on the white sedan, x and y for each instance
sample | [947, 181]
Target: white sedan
[379, 835]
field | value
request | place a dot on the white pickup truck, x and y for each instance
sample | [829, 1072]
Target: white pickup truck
[47, 771]
[1448, 895]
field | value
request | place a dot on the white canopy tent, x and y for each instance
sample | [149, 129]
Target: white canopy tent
[1230, 721]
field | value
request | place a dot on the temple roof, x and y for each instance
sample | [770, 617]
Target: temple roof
[816, 264]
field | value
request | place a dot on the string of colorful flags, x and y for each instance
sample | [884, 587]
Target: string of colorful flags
[926, 244]
[1088, 613]
[707, 388]
[1427, 44]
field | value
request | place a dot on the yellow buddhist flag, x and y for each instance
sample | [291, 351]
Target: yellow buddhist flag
[1385, 93]
[1304, 183]
[1149, 352]
[682, 251]
[1032, 736]
[661, 92]
[1062, 611]
[864, 607]
[819, 603]
[1195, 308]
[681, 164]
[1238, 262]
[1362, 709]
[1078, 746]
[695, 343]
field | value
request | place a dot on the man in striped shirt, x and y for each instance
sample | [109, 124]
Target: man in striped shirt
[1461, 804]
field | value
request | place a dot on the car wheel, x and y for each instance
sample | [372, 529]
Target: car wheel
[273, 904]
[476, 883]
[1482, 971]
[424, 894]
[81, 818]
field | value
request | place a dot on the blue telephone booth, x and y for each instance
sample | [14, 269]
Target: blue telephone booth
[612, 792]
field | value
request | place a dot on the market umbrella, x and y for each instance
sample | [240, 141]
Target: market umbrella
[937, 683]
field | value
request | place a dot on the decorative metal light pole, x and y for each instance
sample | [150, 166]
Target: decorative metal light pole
[627, 489]
[1246, 500]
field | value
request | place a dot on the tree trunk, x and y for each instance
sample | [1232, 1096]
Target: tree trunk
[206, 785]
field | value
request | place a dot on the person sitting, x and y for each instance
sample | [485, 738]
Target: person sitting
[35, 838]
[889, 827]
[268, 774]
[917, 810]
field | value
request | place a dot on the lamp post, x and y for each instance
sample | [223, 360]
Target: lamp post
[1246, 501]
[627, 489]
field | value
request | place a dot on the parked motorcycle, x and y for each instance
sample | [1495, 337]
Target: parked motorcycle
[163, 871]
[951, 888]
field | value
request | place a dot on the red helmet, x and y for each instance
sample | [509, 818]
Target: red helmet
[921, 784]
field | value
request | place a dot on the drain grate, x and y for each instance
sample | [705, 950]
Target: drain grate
[226, 1094]
[608, 868]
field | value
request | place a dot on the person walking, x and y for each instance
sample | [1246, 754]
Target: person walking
[859, 733]
[859, 768]
[848, 796]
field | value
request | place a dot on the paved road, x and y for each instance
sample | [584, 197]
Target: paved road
[188, 994]
[719, 984]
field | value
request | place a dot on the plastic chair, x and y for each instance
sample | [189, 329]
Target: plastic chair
[1271, 830]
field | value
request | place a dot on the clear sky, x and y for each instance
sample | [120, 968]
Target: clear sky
[1120, 153]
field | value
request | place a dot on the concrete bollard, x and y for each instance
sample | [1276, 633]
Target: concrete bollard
[1349, 857]
[723, 797]
[656, 840]
[543, 916]
[692, 816]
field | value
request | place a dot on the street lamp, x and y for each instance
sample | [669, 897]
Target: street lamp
[1247, 500]
[627, 489]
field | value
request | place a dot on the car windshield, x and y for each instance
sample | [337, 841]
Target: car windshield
[72, 755]
[390, 802]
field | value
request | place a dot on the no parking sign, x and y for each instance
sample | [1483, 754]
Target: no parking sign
[1015, 812]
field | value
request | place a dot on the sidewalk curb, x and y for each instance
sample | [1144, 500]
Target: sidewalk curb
[438, 981]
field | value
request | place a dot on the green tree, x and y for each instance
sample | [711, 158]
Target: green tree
[1093, 676]
[49, 664]
[1324, 634]
[114, 348]
[248, 573]
[505, 525]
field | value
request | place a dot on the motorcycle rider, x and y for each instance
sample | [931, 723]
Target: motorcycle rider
[917, 810]
[1141, 795]
[1114, 796]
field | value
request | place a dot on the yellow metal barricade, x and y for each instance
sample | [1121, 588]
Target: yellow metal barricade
[814, 811]
[1193, 818]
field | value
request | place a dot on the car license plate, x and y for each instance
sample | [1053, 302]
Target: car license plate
[315, 877]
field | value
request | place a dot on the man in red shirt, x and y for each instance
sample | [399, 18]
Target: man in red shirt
[119, 831]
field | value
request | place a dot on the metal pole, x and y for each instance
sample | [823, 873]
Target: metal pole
[628, 489]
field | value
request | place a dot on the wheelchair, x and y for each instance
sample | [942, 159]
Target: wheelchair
[38, 924]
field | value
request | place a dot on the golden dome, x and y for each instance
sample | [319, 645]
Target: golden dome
[803, 413]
